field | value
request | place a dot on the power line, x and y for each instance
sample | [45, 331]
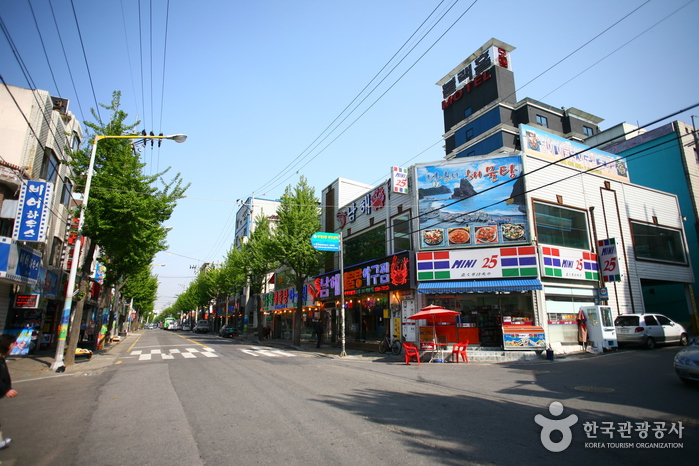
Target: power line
[299, 158]
[87, 65]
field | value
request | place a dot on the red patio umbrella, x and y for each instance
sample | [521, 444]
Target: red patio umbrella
[433, 313]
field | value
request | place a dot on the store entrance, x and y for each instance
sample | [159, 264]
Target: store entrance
[488, 312]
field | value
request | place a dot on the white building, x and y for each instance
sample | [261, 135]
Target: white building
[36, 129]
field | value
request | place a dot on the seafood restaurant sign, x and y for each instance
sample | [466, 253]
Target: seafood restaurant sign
[471, 203]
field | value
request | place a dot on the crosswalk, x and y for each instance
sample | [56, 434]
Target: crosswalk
[187, 353]
[258, 351]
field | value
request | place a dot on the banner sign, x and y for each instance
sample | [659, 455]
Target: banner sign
[19, 262]
[470, 202]
[27, 301]
[391, 273]
[33, 211]
[477, 263]
[608, 260]
[399, 180]
[567, 153]
[572, 264]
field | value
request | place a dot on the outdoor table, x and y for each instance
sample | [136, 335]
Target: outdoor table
[437, 349]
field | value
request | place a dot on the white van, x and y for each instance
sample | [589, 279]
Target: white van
[202, 326]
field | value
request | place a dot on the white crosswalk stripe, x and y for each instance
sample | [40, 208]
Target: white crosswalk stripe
[188, 353]
[270, 353]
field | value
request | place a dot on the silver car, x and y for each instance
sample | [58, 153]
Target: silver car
[648, 330]
[687, 363]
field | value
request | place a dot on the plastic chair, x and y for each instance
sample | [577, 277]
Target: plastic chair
[410, 352]
[460, 349]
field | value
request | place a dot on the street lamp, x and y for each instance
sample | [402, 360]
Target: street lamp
[65, 318]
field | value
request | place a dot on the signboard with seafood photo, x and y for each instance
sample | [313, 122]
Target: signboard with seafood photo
[472, 202]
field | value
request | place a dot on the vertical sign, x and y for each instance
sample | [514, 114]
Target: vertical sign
[609, 262]
[399, 180]
[33, 211]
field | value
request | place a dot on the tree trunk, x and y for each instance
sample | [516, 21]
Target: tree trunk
[77, 315]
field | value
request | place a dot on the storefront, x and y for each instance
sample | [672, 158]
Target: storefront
[499, 311]
[279, 307]
[373, 296]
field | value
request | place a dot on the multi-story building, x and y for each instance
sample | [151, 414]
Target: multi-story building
[36, 130]
[518, 229]
[664, 158]
[481, 111]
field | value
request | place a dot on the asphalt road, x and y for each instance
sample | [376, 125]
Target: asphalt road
[174, 398]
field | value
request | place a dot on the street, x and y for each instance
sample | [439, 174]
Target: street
[177, 398]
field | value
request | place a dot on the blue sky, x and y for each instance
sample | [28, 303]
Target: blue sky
[254, 84]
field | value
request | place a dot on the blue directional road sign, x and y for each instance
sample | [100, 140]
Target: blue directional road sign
[325, 241]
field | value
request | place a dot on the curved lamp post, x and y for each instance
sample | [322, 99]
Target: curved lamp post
[65, 318]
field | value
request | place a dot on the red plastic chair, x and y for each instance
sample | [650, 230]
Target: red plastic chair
[460, 349]
[410, 352]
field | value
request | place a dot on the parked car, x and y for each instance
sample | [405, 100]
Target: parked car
[202, 326]
[648, 330]
[186, 328]
[228, 331]
[687, 363]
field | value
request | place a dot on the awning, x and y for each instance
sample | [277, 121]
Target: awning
[480, 286]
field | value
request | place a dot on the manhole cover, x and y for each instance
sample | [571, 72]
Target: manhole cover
[592, 389]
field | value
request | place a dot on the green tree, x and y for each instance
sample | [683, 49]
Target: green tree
[299, 218]
[126, 209]
[259, 256]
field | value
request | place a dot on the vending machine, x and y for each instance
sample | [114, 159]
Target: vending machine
[601, 333]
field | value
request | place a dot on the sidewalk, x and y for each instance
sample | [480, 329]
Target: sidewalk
[38, 365]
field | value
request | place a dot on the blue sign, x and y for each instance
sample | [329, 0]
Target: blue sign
[325, 241]
[33, 211]
[19, 262]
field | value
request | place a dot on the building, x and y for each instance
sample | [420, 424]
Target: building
[518, 228]
[481, 111]
[36, 130]
[664, 158]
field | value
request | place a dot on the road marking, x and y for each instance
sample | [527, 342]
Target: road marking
[189, 355]
[270, 353]
[167, 356]
[144, 357]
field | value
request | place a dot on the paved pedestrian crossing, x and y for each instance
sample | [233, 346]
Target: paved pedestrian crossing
[186, 353]
[258, 351]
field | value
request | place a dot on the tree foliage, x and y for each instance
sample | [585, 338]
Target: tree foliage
[299, 218]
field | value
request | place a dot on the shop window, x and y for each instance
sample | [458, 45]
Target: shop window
[653, 242]
[401, 233]
[588, 131]
[561, 226]
[542, 120]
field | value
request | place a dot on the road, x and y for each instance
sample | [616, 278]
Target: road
[176, 398]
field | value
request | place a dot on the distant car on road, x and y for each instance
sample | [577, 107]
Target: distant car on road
[228, 331]
[648, 330]
[202, 327]
[686, 363]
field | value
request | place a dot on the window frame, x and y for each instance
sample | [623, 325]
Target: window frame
[50, 156]
[542, 120]
[654, 247]
[540, 235]
[587, 131]
[66, 194]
